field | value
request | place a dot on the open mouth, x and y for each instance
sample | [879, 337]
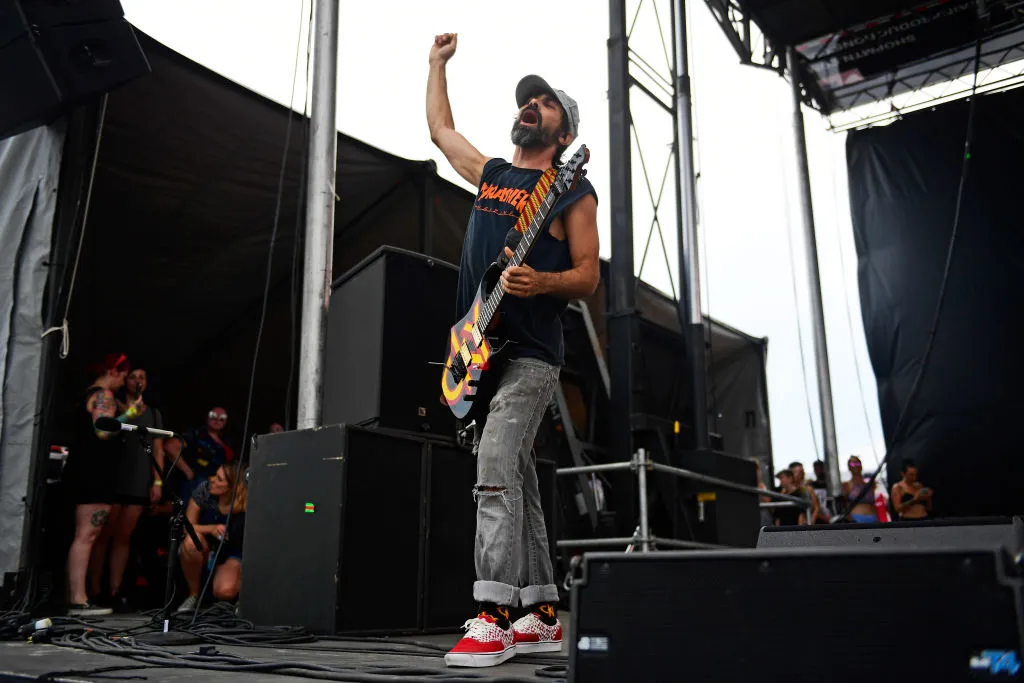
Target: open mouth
[529, 117]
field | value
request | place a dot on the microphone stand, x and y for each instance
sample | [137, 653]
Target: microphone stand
[179, 526]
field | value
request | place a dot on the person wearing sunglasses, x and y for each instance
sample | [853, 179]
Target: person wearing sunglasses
[203, 452]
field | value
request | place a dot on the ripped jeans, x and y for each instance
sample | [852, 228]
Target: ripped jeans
[511, 541]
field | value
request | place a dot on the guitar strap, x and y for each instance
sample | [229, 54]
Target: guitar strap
[540, 192]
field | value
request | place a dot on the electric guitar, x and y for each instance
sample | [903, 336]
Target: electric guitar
[464, 381]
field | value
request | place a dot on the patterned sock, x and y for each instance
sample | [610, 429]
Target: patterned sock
[497, 612]
[546, 612]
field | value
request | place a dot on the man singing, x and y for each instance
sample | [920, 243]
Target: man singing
[512, 560]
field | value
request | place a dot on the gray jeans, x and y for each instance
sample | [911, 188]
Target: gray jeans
[511, 541]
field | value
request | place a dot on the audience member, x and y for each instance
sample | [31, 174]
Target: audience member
[910, 498]
[798, 479]
[203, 452]
[863, 511]
[820, 480]
[820, 489]
[136, 485]
[208, 511]
[276, 428]
[790, 515]
[94, 455]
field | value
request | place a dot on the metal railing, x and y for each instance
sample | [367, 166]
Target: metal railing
[642, 464]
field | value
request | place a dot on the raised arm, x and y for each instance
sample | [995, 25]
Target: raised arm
[467, 161]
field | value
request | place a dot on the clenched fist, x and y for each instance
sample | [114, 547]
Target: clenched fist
[444, 47]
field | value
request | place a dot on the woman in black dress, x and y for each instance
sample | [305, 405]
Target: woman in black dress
[90, 474]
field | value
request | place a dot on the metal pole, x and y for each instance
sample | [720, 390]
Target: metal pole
[622, 280]
[591, 469]
[828, 424]
[686, 220]
[725, 484]
[641, 477]
[320, 197]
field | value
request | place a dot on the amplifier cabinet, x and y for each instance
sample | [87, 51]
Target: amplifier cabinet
[809, 614]
[351, 530]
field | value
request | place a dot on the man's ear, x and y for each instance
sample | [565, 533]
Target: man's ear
[565, 139]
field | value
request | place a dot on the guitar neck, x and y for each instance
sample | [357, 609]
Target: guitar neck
[518, 257]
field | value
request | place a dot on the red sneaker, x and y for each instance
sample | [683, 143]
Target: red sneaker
[533, 635]
[485, 643]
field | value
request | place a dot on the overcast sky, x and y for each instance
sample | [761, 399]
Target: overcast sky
[744, 130]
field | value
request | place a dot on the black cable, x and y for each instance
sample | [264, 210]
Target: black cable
[295, 278]
[220, 661]
[97, 673]
[901, 422]
[263, 319]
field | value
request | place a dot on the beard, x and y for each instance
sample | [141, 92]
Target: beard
[531, 137]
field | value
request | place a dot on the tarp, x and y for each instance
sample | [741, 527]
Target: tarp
[29, 174]
[963, 429]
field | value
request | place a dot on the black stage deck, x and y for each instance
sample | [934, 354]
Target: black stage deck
[23, 661]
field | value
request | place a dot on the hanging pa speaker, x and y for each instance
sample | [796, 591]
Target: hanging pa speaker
[55, 54]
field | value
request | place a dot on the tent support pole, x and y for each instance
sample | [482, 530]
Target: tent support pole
[828, 424]
[320, 198]
[621, 318]
[690, 318]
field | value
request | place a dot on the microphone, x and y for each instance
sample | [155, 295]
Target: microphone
[111, 424]
[512, 240]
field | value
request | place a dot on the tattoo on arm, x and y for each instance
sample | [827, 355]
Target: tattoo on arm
[104, 404]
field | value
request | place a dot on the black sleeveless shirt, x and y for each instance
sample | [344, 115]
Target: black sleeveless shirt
[532, 326]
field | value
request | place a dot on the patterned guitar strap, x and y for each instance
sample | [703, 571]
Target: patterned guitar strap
[540, 192]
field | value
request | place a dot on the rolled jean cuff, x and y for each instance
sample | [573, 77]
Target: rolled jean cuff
[535, 595]
[496, 592]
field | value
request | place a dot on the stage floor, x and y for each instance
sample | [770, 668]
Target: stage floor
[22, 661]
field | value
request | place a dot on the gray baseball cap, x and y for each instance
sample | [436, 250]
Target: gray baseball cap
[534, 85]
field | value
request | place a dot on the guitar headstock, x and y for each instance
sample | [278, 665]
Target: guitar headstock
[569, 175]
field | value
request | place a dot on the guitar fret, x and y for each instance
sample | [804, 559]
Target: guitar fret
[490, 306]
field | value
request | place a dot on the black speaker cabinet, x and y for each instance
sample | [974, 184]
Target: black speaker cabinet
[351, 530]
[387, 338]
[57, 54]
[810, 614]
[937, 533]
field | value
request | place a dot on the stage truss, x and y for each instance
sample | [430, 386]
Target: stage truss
[937, 78]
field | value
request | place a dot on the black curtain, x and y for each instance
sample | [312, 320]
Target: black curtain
[963, 429]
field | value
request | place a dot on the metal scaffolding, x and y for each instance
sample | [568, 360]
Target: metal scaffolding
[943, 76]
[628, 70]
[641, 463]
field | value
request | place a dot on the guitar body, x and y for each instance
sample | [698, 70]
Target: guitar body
[469, 344]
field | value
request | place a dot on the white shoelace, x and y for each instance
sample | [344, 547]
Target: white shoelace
[478, 628]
